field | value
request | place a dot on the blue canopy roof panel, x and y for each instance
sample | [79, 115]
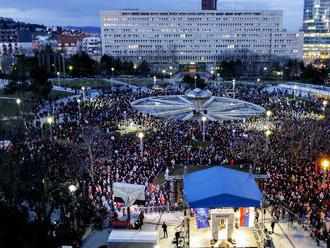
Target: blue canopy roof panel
[221, 187]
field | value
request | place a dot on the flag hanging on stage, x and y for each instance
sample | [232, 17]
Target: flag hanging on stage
[202, 217]
[244, 217]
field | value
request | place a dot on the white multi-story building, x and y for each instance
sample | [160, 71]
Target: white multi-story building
[92, 45]
[197, 36]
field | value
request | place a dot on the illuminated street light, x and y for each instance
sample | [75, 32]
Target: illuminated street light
[195, 77]
[268, 133]
[325, 103]
[155, 79]
[83, 90]
[294, 91]
[18, 101]
[70, 67]
[141, 136]
[269, 113]
[79, 110]
[72, 188]
[258, 80]
[325, 163]
[234, 85]
[50, 120]
[204, 119]
[58, 78]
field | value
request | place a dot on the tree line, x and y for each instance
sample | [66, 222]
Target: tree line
[290, 70]
[32, 73]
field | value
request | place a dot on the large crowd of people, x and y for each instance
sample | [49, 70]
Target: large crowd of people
[289, 155]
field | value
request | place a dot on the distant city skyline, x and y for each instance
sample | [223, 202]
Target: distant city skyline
[86, 13]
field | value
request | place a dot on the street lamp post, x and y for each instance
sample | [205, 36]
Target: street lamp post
[267, 133]
[195, 77]
[113, 78]
[155, 79]
[294, 91]
[83, 91]
[125, 118]
[325, 103]
[141, 136]
[58, 78]
[18, 102]
[72, 190]
[79, 110]
[234, 85]
[325, 163]
[50, 121]
[204, 119]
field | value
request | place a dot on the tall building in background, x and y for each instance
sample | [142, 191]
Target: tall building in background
[197, 36]
[316, 28]
[209, 4]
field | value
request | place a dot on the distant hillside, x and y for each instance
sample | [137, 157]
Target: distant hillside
[87, 29]
[9, 23]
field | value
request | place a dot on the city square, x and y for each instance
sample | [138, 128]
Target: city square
[167, 128]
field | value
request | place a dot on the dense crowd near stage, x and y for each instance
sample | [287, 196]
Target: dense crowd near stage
[290, 155]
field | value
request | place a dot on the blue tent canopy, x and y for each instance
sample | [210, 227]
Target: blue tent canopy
[221, 187]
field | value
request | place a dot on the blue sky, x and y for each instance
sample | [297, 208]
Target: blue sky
[86, 12]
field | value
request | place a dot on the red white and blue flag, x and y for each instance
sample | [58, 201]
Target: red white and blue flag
[244, 217]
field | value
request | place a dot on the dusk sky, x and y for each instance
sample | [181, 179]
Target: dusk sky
[86, 12]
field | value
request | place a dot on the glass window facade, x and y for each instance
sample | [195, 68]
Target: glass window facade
[316, 28]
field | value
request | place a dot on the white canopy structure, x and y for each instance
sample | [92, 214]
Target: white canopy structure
[133, 236]
[129, 193]
[195, 104]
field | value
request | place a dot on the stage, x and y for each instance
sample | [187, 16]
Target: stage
[243, 236]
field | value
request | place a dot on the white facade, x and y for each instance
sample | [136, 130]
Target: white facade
[92, 45]
[196, 36]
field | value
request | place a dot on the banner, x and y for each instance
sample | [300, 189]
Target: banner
[244, 217]
[202, 217]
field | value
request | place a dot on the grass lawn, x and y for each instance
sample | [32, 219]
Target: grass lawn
[78, 83]
[9, 108]
[141, 81]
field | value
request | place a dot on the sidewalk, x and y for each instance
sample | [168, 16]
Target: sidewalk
[152, 222]
[289, 237]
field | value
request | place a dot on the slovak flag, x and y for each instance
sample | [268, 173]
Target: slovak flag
[244, 217]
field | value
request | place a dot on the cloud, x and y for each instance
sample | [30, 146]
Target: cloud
[86, 12]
